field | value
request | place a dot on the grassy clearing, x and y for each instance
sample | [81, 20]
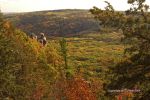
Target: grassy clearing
[93, 53]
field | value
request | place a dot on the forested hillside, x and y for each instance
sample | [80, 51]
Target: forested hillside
[111, 64]
[30, 71]
[73, 68]
[57, 22]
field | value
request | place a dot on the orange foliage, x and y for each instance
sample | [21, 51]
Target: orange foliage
[78, 89]
[74, 89]
[125, 94]
[38, 93]
[9, 29]
[97, 86]
[7, 25]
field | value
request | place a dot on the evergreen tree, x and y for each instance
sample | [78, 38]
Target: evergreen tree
[133, 72]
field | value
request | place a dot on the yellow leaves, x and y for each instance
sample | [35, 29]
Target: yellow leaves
[35, 46]
[52, 55]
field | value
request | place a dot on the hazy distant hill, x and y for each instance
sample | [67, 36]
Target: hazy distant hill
[56, 22]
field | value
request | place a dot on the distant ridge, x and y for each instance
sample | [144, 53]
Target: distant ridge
[56, 10]
[62, 22]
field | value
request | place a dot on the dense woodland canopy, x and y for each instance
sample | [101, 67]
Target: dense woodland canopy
[77, 68]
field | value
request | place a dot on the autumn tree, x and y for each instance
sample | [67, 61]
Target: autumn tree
[27, 71]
